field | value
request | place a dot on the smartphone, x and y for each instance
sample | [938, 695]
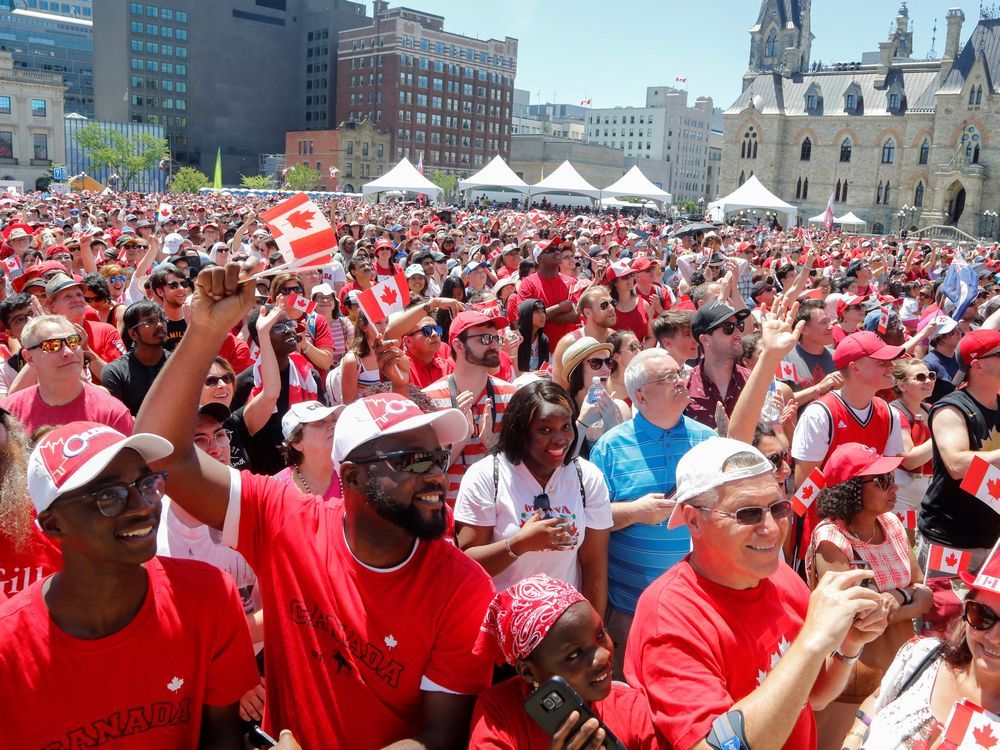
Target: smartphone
[868, 583]
[260, 738]
[551, 704]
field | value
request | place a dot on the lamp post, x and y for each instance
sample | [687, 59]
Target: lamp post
[701, 206]
[989, 219]
[901, 215]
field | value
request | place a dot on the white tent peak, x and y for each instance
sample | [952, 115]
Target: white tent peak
[494, 176]
[404, 177]
[567, 181]
[752, 194]
[635, 183]
[850, 219]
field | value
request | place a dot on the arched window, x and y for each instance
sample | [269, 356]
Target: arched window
[798, 189]
[888, 151]
[925, 150]
[755, 148]
[805, 188]
[806, 151]
[772, 44]
[843, 195]
[836, 195]
[878, 194]
[743, 177]
[885, 198]
[894, 100]
[972, 141]
[979, 94]
[845, 150]
[749, 148]
[918, 195]
[972, 96]
[743, 149]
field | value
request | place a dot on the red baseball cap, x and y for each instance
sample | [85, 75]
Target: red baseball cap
[469, 319]
[850, 460]
[988, 577]
[617, 270]
[977, 344]
[863, 344]
[641, 264]
[845, 302]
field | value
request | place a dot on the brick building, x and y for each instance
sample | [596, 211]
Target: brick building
[359, 150]
[445, 98]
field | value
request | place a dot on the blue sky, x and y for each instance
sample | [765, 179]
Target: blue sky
[610, 51]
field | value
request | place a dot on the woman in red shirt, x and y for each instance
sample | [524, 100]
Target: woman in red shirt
[914, 383]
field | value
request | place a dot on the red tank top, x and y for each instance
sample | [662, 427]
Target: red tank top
[635, 321]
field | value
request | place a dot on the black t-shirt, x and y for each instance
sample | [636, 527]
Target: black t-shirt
[237, 443]
[175, 331]
[949, 515]
[129, 380]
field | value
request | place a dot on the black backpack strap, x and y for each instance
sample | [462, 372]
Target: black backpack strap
[496, 477]
[579, 476]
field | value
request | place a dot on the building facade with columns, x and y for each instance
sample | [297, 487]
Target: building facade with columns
[900, 141]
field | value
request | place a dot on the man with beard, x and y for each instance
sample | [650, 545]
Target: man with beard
[128, 378]
[716, 379]
[474, 339]
[350, 671]
[597, 310]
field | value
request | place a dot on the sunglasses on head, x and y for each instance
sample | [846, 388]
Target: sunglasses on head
[596, 363]
[754, 514]
[882, 481]
[730, 326]
[979, 616]
[213, 380]
[413, 461]
[54, 345]
[112, 500]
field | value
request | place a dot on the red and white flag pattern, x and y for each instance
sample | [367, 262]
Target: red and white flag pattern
[805, 495]
[883, 321]
[787, 371]
[300, 303]
[12, 267]
[304, 236]
[983, 480]
[969, 727]
[385, 298]
[585, 102]
[908, 518]
[945, 562]
[164, 212]
[828, 214]
[490, 309]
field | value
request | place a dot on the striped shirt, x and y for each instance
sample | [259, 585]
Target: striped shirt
[440, 396]
[637, 458]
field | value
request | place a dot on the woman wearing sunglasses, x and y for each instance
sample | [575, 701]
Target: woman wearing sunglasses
[859, 529]
[624, 347]
[914, 384]
[929, 676]
[117, 280]
[328, 308]
[220, 383]
[533, 351]
[586, 359]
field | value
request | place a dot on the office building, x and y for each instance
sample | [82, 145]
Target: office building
[31, 122]
[151, 181]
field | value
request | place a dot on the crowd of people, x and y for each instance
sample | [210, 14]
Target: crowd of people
[697, 479]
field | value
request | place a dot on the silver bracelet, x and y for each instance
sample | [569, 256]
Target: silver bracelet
[510, 550]
[846, 659]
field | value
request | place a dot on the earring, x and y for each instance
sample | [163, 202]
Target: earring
[534, 684]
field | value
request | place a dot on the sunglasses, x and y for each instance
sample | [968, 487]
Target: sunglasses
[596, 363]
[604, 304]
[54, 345]
[923, 377]
[151, 323]
[323, 298]
[179, 284]
[411, 461]
[292, 290]
[486, 339]
[882, 481]
[213, 380]
[753, 515]
[116, 279]
[729, 326]
[112, 500]
[777, 459]
[979, 616]
[428, 330]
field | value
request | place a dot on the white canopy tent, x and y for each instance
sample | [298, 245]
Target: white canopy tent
[752, 194]
[405, 178]
[850, 220]
[495, 176]
[564, 181]
[635, 184]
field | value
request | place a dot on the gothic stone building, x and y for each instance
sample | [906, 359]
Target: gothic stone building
[897, 140]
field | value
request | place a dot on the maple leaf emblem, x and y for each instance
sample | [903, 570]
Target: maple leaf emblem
[807, 492]
[993, 486]
[984, 737]
[951, 561]
[301, 219]
[175, 684]
[388, 296]
[391, 642]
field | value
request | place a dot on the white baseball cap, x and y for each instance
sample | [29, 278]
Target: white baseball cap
[942, 325]
[304, 413]
[388, 414]
[171, 242]
[700, 470]
[75, 454]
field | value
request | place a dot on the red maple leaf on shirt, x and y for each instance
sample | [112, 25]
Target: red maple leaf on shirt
[389, 296]
[951, 561]
[993, 486]
[301, 219]
[806, 492]
[984, 737]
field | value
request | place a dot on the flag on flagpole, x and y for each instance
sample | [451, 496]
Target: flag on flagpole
[490, 309]
[217, 181]
[945, 562]
[420, 164]
[334, 172]
[297, 302]
[883, 321]
[805, 495]
[961, 284]
[983, 480]
[385, 298]
[828, 214]
[908, 518]
[679, 79]
[304, 236]
[584, 102]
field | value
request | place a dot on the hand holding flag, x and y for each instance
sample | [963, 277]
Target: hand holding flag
[297, 302]
[983, 480]
[304, 236]
[805, 495]
[385, 298]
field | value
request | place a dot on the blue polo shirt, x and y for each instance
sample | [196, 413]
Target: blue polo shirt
[637, 458]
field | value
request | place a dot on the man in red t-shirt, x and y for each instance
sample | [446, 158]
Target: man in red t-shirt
[159, 646]
[349, 669]
[552, 288]
[731, 629]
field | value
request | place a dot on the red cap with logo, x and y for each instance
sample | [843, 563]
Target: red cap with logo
[850, 460]
[977, 344]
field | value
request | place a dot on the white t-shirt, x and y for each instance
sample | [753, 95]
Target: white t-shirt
[811, 439]
[474, 505]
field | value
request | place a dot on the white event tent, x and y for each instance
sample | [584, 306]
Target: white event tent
[848, 220]
[405, 178]
[752, 194]
[565, 180]
[635, 184]
[495, 176]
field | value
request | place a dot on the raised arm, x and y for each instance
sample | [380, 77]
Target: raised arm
[259, 408]
[198, 483]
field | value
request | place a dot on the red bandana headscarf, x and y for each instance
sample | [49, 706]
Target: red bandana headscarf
[520, 617]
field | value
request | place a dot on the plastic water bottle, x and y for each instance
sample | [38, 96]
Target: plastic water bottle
[771, 413]
[593, 395]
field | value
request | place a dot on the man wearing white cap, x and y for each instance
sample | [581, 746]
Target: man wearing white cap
[375, 613]
[729, 643]
[76, 640]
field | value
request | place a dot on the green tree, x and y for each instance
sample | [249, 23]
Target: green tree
[128, 156]
[447, 182]
[188, 180]
[302, 177]
[688, 206]
[258, 182]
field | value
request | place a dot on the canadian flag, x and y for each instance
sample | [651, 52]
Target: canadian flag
[805, 495]
[786, 371]
[908, 518]
[969, 727]
[584, 101]
[983, 480]
[385, 298]
[945, 562]
[420, 164]
[304, 236]
[12, 266]
[297, 302]
[490, 309]
[164, 212]
[537, 217]
[828, 214]
[678, 79]
[883, 321]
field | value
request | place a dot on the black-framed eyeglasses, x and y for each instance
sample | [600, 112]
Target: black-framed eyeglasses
[283, 327]
[186, 284]
[596, 363]
[882, 481]
[978, 616]
[486, 339]
[159, 320]
[754, 514]
[414, 461]
[777, 459]
[292, 290]
[112, 500]
[213, 380]
[72, 341]
[730, 326]
[428, 330]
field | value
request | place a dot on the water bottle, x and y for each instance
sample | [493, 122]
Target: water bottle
[771, 413]
[593, 395]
